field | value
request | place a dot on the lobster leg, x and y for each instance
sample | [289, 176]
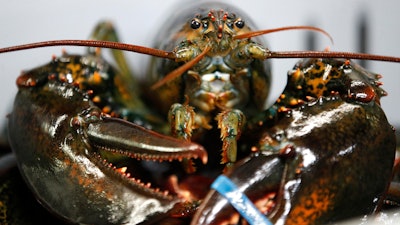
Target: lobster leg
[125, 81]
[181, 120]
[231, 123]
[105, 31]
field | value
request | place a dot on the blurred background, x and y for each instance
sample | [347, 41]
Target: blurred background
[357, 25]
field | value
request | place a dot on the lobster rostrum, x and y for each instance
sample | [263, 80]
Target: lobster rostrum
[70, 133]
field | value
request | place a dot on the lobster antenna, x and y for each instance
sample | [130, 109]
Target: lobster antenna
[327, 54]
[180, 70]
[171, 55]
[262, 32]
[93, 43]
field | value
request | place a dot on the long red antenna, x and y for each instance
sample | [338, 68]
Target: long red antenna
[171, 55]
[93, 43]
[327, 54]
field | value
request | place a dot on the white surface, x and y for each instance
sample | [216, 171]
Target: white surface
[137, 22]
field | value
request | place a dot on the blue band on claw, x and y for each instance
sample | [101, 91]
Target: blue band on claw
[239, 201]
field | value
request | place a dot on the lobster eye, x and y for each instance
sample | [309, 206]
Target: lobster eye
[205, 24]
[195, 24]
[239, 24]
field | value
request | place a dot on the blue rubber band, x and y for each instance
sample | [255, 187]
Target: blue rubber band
[239, 201]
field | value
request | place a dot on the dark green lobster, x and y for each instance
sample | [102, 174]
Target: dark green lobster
[95, 147]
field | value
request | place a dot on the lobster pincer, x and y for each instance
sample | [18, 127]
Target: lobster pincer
[63, 143]
[318, 175]
[318, 186]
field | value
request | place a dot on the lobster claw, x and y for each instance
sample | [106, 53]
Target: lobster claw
[265, 179]
[317, 173]
[139, 142]
[58, 134]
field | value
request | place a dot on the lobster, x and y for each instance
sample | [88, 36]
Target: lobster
[77, 146]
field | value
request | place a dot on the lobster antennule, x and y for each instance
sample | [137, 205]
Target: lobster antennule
[93, 43]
